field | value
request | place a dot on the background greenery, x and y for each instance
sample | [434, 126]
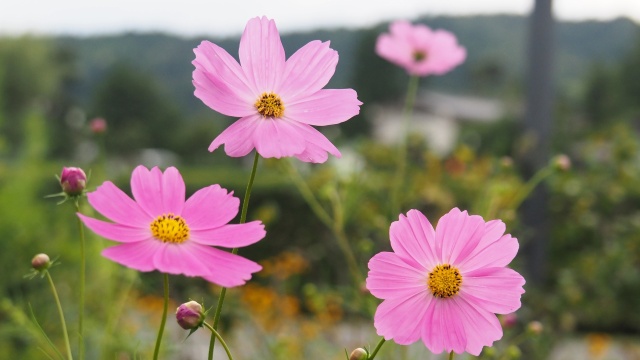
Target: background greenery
[141, 84]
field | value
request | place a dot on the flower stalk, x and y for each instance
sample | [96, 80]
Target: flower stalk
[156, 351]
[530, 185]
[83, 261]
[65, 334]
[217, 335]
[398, 181]
[243, 219]
[375, 351]
[335, 223]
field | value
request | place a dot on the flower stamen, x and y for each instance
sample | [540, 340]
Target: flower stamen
[270, 105]
[444, 281]
[170, 228]
[419, 56]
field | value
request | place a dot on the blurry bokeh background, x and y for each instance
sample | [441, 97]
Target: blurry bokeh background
[532, 87]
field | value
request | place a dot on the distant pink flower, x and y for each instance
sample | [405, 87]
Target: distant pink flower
[161, 231]
[277, 100]
[445, 286]
[420, 50]
[98, 125]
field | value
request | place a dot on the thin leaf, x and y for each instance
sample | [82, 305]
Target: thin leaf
[35, 321]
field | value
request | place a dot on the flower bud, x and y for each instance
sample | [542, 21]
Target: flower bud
[535, 327]
[41, 262]
[190, 315]
[508, 320]
[562, 162]
[98, 125]
[513, 352]
[73, 181]
[359, 354]
[506, 162]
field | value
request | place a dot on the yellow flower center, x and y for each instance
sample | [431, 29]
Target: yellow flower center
[270, 105]
[444, 281]
[170, 228]
[419, 56]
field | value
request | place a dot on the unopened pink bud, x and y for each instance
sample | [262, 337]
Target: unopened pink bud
[41, 262]
[190, 315]
[98, 125]
[73, 181]
[509, 320]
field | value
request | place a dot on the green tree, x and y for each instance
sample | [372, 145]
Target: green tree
[28, 78]
[139, 113]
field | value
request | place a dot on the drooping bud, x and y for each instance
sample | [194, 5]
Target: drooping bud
[359, 354]
[73, 181]
[98, 125]
[190, 315]
[41, 262]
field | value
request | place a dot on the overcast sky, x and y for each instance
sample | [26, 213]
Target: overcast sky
[215, 17]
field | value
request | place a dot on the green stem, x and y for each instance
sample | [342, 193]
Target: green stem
[412, 91]
[243, 219]
[217, 335]
[308, 196]
[336, 225]
[375, 351]
[156, 351]
[62, 322]
[531, 185]
[451, 355]
[83, 262]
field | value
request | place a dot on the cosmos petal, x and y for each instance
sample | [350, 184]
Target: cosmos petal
[137, 255]
[230, 236]
[116, 206]
[237, 270]
[116, 232]
[307, 71]
[277, 138]
[401, 319]
[414, 240]
[220, 82]
[146, 186]
[173, 191]
[325, 107]
[391, 277]
[261, 54]
[238, 138]
[209, 208]
[480, 288]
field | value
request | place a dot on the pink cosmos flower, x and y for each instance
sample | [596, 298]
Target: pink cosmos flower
[445, 286]
[420, 50]
[98, 125]
[161, 231]
[277, 100]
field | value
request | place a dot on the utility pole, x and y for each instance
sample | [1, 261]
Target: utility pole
[537, 126]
